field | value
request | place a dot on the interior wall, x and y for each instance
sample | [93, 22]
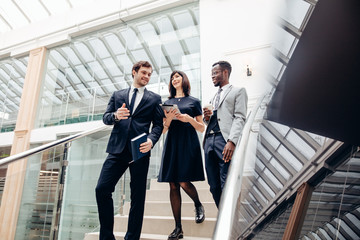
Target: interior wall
[238, 31]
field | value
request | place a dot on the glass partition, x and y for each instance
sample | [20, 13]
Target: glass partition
[12, 75]
[334, 209]
[281, 153]
[58, 200]
[78, 208]
[275, 225]
[81, 76]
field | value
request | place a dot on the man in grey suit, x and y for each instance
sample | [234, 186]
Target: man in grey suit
[224, 126]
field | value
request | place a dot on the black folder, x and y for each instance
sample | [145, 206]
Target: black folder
[135, 145]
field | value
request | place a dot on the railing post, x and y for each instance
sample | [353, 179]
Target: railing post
[55, 223]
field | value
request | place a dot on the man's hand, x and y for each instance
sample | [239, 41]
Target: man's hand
[207, 113]
[122, 113]
[146, 146]
[228, 151]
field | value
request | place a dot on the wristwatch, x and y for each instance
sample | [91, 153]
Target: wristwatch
[114, 117]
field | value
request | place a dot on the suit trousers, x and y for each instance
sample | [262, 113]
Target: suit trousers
[113, 168]
[216, 168]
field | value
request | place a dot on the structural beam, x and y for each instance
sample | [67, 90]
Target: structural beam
[11, 199]
[298, 212]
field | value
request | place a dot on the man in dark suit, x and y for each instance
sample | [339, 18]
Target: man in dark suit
[224, 126]
[131, 111]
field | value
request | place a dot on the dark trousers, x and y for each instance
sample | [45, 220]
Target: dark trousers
[113, 168]
[216, 168]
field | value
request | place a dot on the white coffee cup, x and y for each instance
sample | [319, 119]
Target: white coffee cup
[208, 106]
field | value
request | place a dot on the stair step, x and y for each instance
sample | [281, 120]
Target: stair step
[164, 225]
[163, 194]
[163, 208]
[155, 185]
[144, 236]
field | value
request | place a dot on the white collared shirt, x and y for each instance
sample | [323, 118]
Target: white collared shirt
[138, 98]
[224, 88]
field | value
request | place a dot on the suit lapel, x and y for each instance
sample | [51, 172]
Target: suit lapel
[225, 94]
[127, 99]
[143, 101]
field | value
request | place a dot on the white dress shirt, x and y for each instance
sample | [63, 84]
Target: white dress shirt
[138, 98]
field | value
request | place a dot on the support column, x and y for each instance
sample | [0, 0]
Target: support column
[298, 212]
[11, 199]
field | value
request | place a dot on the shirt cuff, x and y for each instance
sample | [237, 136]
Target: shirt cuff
[151, 142]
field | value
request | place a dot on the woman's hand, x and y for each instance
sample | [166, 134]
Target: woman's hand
[171, 114]
[183, 117]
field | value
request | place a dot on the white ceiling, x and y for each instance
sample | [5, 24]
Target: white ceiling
[19, 13]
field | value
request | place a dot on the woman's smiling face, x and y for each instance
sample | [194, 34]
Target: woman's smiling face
[176, 81]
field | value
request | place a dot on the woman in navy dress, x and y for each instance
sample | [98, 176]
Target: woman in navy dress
[181, 161]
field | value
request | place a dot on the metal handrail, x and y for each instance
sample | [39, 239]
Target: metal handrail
[44, 147]
[232, 186]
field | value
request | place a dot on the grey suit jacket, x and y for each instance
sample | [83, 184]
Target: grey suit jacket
[231, 113]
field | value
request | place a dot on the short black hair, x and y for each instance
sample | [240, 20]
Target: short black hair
[140, 64]
[185, 84]
[224, 65]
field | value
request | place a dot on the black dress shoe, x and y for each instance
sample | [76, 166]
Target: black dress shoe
[176, 234]
[199, 214]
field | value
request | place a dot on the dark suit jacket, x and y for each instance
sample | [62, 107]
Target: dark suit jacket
[148, 111]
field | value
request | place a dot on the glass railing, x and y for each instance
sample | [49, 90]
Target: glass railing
[58, 200]
[68, 108]
[270, 163]
[227, 219]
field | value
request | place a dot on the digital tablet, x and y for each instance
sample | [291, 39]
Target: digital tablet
[168, 107]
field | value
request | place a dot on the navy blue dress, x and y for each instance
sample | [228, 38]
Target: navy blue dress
[181, 159]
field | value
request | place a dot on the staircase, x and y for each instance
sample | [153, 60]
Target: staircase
[158, 218]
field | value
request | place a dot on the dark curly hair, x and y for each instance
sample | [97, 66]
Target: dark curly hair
[224, 65]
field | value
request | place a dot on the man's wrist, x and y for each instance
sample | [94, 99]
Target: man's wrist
[231, 142]
[151, 142]
[115, 117]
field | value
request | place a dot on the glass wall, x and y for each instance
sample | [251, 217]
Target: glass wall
[12, 75]
[58, 200]
[334, 209]
[81, 76]
[79, 212]
[281, 153]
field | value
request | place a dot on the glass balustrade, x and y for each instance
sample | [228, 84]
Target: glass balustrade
[58, 200]
[68, 111]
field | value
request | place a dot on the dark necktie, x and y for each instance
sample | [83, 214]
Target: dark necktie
[132, 103]
[217, 100]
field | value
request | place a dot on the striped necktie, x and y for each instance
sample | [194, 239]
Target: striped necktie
[217, 100]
